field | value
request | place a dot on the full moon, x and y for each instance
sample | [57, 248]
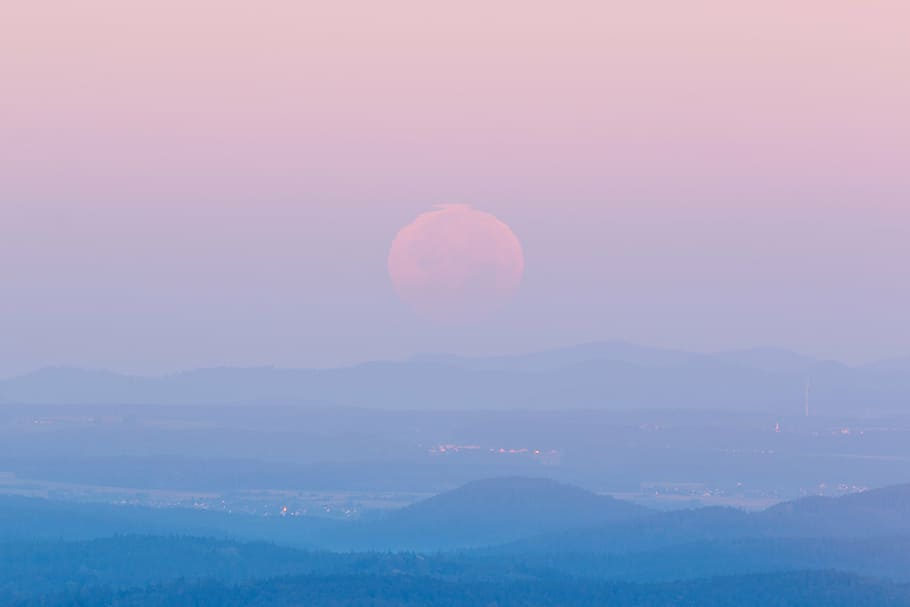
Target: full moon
[456, 264]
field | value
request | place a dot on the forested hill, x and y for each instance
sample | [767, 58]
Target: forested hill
[798, 589]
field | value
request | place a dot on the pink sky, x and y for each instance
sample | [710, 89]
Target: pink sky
[747, 161]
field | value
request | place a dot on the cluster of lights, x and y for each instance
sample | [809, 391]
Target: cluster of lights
[452, 448]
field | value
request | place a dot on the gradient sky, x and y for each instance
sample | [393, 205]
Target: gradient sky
[195, 183]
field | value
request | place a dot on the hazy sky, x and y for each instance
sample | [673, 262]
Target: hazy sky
[194, 183]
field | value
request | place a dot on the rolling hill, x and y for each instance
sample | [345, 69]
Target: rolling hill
[882, 513]
[494, 511]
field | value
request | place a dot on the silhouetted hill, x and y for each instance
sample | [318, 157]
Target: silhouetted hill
[493, 511]
[880, 513]
[877, 512]
[502, 500]
[601, 376]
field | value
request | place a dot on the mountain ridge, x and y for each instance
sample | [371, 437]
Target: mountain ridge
[881, 512]
[602, 375]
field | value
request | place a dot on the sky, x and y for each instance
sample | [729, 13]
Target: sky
[196, 183]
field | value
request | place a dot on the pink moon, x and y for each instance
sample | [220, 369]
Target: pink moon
[456, 264]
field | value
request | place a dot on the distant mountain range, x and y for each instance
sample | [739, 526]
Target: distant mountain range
[611, 375]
